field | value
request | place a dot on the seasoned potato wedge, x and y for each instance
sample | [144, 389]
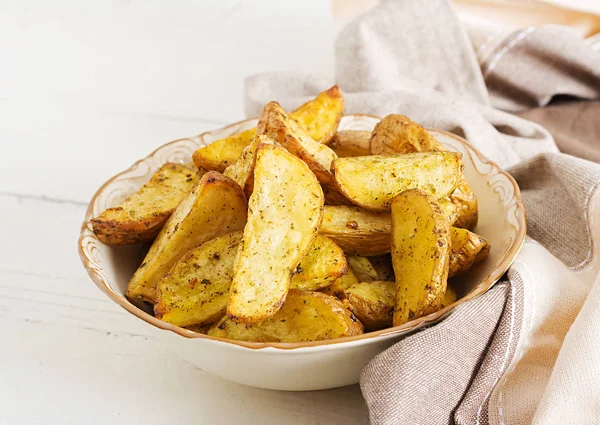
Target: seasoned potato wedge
[324, 262]
[242, 172]
[141, 216]
[357, 231]
[320, 117]
[215, 206]
[285, 212]
[277, 124]
[199, 329]
[420, 254]
[372, 303]
[305, 316]
[347, 143]
[449, 297]
[196, 289]
[373, 181]
[468, 248]
[362, 268]
[399, 134]
[383, 267]
[338, 287]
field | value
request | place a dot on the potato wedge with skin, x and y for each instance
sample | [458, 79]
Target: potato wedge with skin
[285, 212]
[323, 263]
[356, 230]
[215, 206]
[383, 266]
[373, 181]
[141, 216]
[420, 254]
[242, 172]
[319, 116]
[277, 124]
[304, 316]
[338, 287]
[372, 303]
[196, 289]
[362, 268]
[347, 143]
[468, 248]
[399, 134]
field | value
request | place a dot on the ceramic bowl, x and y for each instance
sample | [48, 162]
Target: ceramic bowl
[311, 365]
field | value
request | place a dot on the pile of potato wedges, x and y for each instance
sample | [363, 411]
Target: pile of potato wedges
[293, 231]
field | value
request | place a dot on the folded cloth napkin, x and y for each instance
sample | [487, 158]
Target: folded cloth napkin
[527, 351]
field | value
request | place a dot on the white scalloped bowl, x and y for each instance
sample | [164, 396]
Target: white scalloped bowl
[311, 365]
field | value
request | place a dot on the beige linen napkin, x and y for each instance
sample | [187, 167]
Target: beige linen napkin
[528, 351]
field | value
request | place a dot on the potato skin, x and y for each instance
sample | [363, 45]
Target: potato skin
[468, 249]
[215, 206]
[373, 181]
[356, 230]
[348, 143]
[399, 134]
[196, 289]
[304, 316]
[141, 216]
[323, 263]
[420, 254]
[320, 117]
[285, 212]
[372, 303]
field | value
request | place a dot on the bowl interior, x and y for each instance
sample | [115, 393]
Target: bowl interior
[501, 217]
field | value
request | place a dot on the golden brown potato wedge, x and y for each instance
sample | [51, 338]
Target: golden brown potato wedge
[285, 212]
[324, 262]
[373, 181]
[372, 303]
[338, 287]
[398, 134]
[449, 297]
[468, 248]
[383, 267]
[356, 230]
[242, 172]
[215, 206]
[196, 289]
[320, 117]
[347, 143]
[362, 268]
[277, 124]
[305, 316]
[141, 216]
[420, 254]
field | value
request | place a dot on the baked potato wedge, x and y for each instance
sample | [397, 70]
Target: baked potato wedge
[196, 289]
[319, 116]
[285, 212]
[399, 134]
[362, 268]
[304, 316]
[347, 143]
[372, 303]
[383, 266]
[141, 216]
[356, 230]
[338, 287]
[468, 248]
[323, 263]
[242, 171]
[420, 254]
[449, 297]
[373, 181]
[215, 206]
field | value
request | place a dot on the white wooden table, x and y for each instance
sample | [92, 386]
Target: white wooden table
[85, 90]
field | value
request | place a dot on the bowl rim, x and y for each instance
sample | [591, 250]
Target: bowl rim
[481, 288]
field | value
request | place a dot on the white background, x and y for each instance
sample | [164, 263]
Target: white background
[85, 90]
